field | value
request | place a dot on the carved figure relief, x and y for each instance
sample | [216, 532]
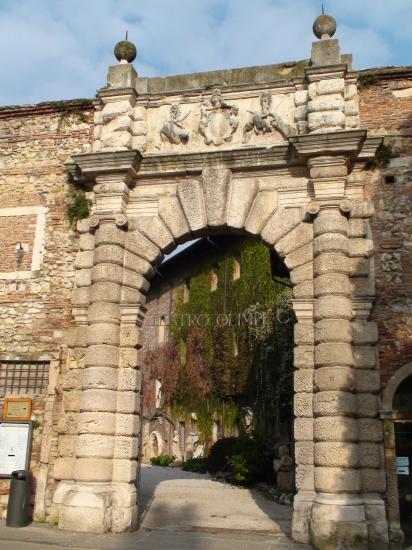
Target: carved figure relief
[218, 120]
[173, 130]
[264, 121]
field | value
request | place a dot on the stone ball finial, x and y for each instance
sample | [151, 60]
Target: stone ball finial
[125, 51]
[324, 26]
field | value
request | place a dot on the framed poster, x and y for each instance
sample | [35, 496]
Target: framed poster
[17, 408]
[15, 446]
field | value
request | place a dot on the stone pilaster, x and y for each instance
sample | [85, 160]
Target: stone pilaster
[348, 508]
[102, 494]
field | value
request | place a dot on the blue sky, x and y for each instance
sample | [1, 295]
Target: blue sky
[60, 49]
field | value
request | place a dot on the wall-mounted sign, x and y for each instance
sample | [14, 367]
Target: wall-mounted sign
[15, 446]
[402, 465]
[17, 408]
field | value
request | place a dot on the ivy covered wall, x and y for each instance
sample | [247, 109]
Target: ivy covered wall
[214, 363]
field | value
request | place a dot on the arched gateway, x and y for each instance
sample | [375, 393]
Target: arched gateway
[291, 174]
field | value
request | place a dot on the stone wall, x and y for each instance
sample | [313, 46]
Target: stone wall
[386, 109]
[35, 142]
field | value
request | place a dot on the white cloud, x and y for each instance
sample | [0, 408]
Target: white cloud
[58, 49]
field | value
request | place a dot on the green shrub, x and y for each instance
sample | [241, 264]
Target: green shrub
[163, 460]
[243, 457]
[77, 206]
[197, 465]
[220, 453]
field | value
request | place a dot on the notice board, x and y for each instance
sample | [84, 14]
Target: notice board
[15, 446]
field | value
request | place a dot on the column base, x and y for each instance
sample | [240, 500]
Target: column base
[302, 511]
[98, 507]
[338, 521]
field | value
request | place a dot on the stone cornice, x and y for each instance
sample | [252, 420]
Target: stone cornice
[84, 168]
[234, 159]
[334, 143]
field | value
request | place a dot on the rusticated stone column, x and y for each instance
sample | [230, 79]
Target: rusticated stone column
[102, 495]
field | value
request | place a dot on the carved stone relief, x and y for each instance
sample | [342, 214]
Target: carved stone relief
[218, 120]
[173, 129]
[264, 121]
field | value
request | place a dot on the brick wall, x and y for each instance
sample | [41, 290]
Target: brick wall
[35, 141]
[386, 109]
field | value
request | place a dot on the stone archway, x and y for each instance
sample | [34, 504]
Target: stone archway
[323, 239]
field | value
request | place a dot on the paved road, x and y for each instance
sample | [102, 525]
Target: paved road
[180, 511]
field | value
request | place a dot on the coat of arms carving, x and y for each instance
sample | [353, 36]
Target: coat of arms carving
[264, 121]
[173, 130]
[218, 119]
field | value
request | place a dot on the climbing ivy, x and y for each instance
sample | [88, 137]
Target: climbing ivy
[223, 368]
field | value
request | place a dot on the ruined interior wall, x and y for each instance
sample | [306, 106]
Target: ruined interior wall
[35, 141]
[386, 110]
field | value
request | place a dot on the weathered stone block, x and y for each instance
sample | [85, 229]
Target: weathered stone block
[333, 353]
[331, 86]
[330, 102]
[126, 447]
[143, 247]
[335, 378]
[302, 273]
[303, 357]
[334, 307]
[335, 428]
[80, 297]
[138, 264]
[97, 423]
[105, 292]
[263, 207]
[102, 356]
[331, 283]
[216, 185]
[301, 97]
[330, 242]
[303, 429]
[86, 241]
[358, 267]
[334, 403]
[370, 429]
[109, 234]
[93, 469]
[66, 444]
[84, 260]
[329, 221]
[337, 480]
[281, 222]
[331, 263]
[303, 290]
[303, 380]
[100, 378]
[333, 330]
[71, 400]
[128, 402]
[367, 405]
[300, 256]
[103, 333]
[304, 452]
[104, 312]
[370, 455]
[364, 332]
[172, 214]
[108, 253]
[94, 445]
[111, 273]
[190, 195]
[124, 471]
[98, 400]
[323, 120]
[364, 356]
[154, 229]
[304, 478]
[129, 336]
[304, 334]
[129, 378]
[63, 468]
[303, 404]
[372, 480]
[297, 237]
[335, 453]
[82, 278]
[127, 424]
[360, 248]
[242, 195]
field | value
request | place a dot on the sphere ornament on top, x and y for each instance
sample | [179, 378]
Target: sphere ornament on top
[324, 26]
[125, 51]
